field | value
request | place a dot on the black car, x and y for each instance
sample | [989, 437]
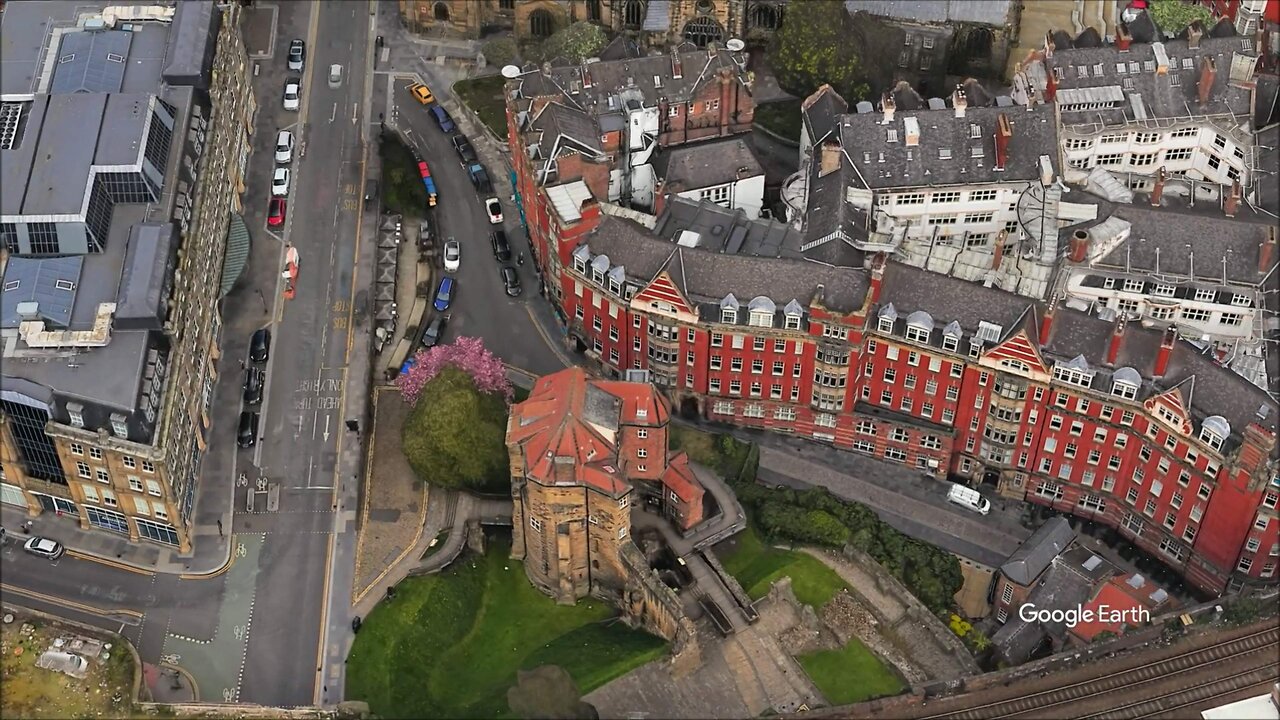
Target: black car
[247, 434]
[463, 147]
[435, 331]
[254, 378]
[260, 346]
[501, 248]
[297, 55]
[510, 280]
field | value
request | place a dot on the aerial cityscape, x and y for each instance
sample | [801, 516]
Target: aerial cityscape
[640, 358]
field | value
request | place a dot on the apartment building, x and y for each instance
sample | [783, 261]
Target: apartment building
[725, 172]
[583, 454]
[116, 247]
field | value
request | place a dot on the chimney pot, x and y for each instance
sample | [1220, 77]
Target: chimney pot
[889, 106]
[1004, 132]
[959, 101]
[1079, 248]
[1194, 32]
[1123, 38]
[998, 252]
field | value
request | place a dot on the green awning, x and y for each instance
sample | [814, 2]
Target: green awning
[237, 253]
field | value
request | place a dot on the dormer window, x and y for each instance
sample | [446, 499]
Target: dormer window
[761, 311]
[1120, 388]
[580, 258]
[793, 322]
[1211, 438]
[729, 315]
[597, 275]
[919, 326]
[119, 425]
[615, 287]
[75, 414]
[951, 343]
[1076, 372]
[1214, 431]
[885, 324]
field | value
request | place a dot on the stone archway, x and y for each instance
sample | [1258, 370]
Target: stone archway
[703, 30]
[440, 11]
[633, 14]
[764, 16]
[690, 409]
[541, 24]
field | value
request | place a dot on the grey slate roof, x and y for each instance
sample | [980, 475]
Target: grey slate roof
[560, 121]
[985, 12]
[91, 62]
[707, 164]
[50, 282]
[1160, 98]
[1035, 133]
[1038, 551]
[145, 274]
[821, 112]
[827, 211]
[1063, 586]
[724, 230]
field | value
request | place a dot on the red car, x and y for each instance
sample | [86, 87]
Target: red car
[275, 212]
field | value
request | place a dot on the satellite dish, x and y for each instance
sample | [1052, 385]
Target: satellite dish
[511, 72]
[735, 45]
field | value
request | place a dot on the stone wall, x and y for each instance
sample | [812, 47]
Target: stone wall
[646, 602]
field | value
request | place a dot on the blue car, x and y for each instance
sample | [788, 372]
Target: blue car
[443, 120]
[444, 295]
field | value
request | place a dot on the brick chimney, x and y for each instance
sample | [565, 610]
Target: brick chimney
[1050, 83]
[1266, 253]
[586, 76]
[828, 158]
[1046, 321]
[1195, 31]
[959, 101]
[675, 65]
[1117, 339]
[889, 106]
[1004, 132]
[878, 263]
[1157, 192]
[1208, 73]
[1049, 47]
[1166, 349]
[1123, 38]
[997, 254]
[1232, 204]
[1078, 250]
[726, 96]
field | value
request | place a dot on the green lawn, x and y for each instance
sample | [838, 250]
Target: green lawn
[851, 674]
[757, 565]
[782, 118]
[449, 645]
[484, 96]
[700, 445]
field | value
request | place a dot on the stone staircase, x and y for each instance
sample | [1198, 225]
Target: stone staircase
[1041, 16]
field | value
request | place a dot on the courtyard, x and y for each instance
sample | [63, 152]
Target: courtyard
[29, 691]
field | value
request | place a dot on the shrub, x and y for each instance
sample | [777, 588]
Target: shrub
[500, 51]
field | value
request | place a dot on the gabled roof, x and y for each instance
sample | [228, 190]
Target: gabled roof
[1038, 551]
[821, 112]
[706, 164]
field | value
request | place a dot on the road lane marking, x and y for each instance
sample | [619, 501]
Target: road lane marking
[110, 563]
[73, 605]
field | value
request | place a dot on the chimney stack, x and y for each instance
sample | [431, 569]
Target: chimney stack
[1004, 131]
[1195, 31]
[726, 96]
[878, 262]
[888, 105]
[1157, 192]
[1049, 47]
[998, 252]
[1166, 349]
[959, 101]
[675, 64]
[1079, 248]
[1232, 203]
[1117, 338]
[1266, 253]
[1050, 83]
[1046, 322]
[1123, 38]
[1208, 74]
[829, 158]
[546, 69]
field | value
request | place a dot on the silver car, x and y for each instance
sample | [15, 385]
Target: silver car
[44, 547]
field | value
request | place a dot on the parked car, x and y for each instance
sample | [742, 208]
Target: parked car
[435, 331]
[452, 255]
[501, 248]
[479, 178]
[254, 379]
[494, 209]
[276, 211]
[280, 181]
[422, 93]
[968, 498]
[335, 76]
[284, 147]
[297, 55]
[292, 95]
[510, 280]
[247, 433]
[443, 120]
[444, 296]
[463, 147]
[260, 346]
[44, 547]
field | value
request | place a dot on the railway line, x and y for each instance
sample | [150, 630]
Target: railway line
[1252, 661]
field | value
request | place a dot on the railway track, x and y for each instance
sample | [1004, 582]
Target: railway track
[1261, 645]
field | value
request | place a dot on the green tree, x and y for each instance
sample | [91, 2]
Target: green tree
[455, 436]
[500, 51]
[1173, 16]
[576, 42]
[813, 48]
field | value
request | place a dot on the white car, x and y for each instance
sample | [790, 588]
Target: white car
[280, 182]
[494, 208]
[44, 547]
[452, 255]
[284, 147]
[292, 95]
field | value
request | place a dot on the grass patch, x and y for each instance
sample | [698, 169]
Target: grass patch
[33, 692]
[782, 118]
[756, 566]
[449, 645]
[435, 546]
[851, 674]
[700, 445]
[484, 95]
[402, 188]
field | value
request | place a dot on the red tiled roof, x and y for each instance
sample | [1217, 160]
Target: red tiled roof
[679, 478]
[1115, 596]
[637, 397]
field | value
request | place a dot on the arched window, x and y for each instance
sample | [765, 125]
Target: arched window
[703, 30]
[541, 24]
[441, 11]
[765, 17]
[633, 14]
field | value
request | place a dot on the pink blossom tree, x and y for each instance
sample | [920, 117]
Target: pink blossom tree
[469, 355]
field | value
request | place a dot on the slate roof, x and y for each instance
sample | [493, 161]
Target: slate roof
[864, 137]
[723, 230]
[1160, 98]
[91, 62]
[561, 121]
[1062, 587]
[49, 282]
[707, 164]
[1038, 551]
[821, 112]
[827, 209]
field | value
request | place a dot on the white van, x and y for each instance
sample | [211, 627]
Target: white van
[968, 498]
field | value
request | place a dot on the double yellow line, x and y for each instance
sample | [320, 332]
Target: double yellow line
[109, 614]
[109, 563]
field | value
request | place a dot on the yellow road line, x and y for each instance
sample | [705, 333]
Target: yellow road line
[110, 563]
[231, 560]
[92, 610]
